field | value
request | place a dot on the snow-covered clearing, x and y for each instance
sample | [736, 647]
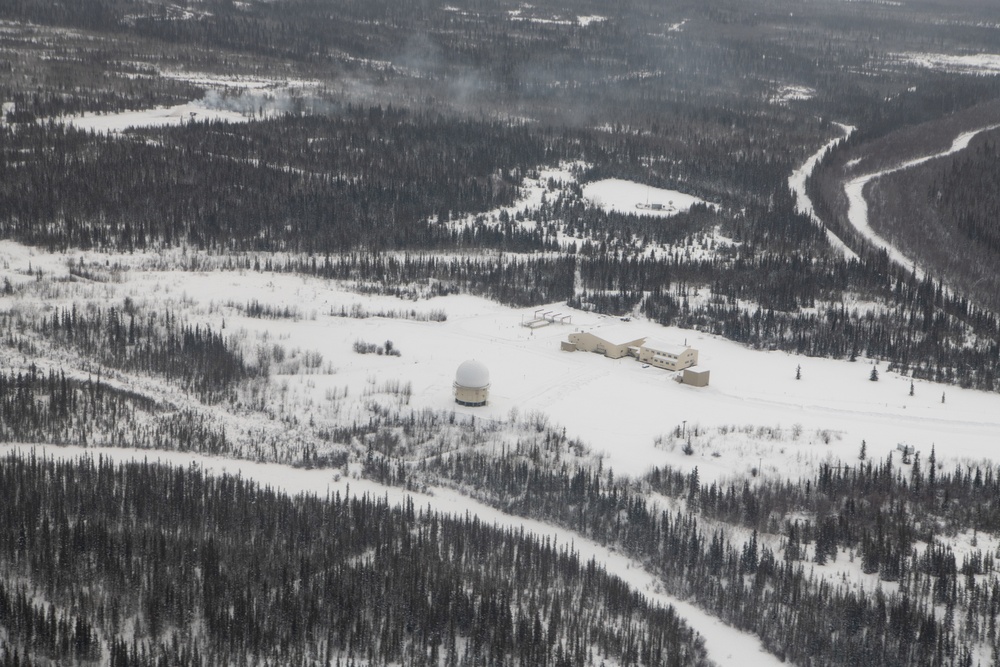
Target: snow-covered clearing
[789, 93]
[179, 114]
[584, 21]
[227, 98]
[726, 646]
[857, 206]
[975, 64]
[546, 184]
[210, 80]
[518, 15]
[614, 194]
[803, 204]
[617, 407]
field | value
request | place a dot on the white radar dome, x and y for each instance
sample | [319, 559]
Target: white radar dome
[473, 375]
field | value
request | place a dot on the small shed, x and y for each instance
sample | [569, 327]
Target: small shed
[695, 377]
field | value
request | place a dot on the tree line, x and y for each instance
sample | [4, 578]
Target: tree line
[161, 565]
[799, 615]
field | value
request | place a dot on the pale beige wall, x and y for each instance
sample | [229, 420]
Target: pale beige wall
[471, 396]
[685, 359]
[589, 342]
[696, 378]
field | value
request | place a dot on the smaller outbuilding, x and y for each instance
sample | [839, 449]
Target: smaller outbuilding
[695, 377]
[472, 383]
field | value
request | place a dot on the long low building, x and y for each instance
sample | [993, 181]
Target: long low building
[612, 342]
[618, 342]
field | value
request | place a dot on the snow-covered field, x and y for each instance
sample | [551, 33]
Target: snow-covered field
[619, 408]
[973, 63]
[156, 117]
[614, 194]
[228, 99]
[754, 414]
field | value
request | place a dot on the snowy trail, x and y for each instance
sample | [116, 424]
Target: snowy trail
[726, 646]
[803, 204]
[857, 208]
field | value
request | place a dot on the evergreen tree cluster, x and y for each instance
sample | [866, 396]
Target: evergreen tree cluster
[512, 280]
[369, 178]
[195, 357]
[965, 197]
[159, 565]
[54, 408]
[799, 615]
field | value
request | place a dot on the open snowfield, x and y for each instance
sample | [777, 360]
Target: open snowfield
[156, 117]
[974, 63]
[228, 99]
[754, 413]
[615, 194]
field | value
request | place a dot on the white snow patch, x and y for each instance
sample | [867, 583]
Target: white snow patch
[978, 63]
[615, 194]
[787, 94]
[227, 98]
[157, 117]
[516, 15]
[242, 82]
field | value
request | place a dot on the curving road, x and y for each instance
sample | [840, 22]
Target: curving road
[857, 206]
[803, 204]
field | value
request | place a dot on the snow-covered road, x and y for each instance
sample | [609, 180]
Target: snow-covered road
[857, 206]
[803, 204]
[726, 646]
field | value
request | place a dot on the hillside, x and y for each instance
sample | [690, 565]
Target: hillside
[253, 241]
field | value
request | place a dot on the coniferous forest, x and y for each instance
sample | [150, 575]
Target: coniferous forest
[144, 564]
[401, 152]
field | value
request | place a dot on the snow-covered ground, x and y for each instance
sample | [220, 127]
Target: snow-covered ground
[754, 414]
[726, 647]
[790, 93]
[227, 98]
[156, 117]
[584, 21]
[619, 408]
[614, 194]
[551, 182]
[974, 63]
